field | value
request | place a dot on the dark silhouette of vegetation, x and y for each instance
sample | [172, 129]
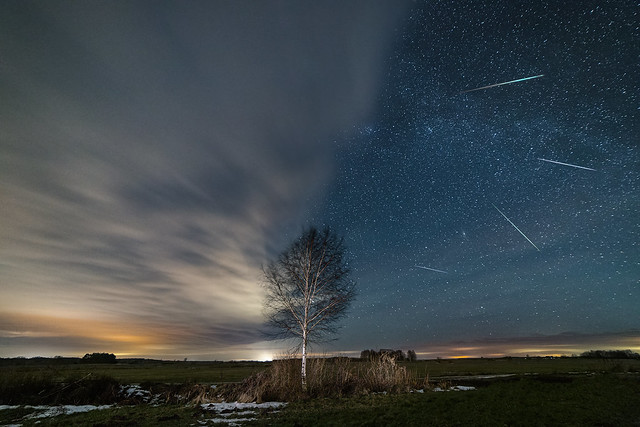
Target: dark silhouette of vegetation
[610, 354]
[397, 355]
[99, 358]
[40, 388]
[308, 290]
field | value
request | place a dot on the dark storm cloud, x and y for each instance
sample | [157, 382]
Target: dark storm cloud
[149, 150]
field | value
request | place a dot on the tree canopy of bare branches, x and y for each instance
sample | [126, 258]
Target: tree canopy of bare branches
[308, 289]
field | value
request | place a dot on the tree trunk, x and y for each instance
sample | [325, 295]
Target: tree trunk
[304, 361]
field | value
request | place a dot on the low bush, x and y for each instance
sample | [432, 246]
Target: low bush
[24, 387]
[43, 388]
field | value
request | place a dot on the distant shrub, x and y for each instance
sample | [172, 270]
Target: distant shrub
[368, 354]
[610, 354]
[99, 358]
[397, 355]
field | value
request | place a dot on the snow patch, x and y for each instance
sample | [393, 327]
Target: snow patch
[233, 413]
[233, 406]
[455, 388]
[130, 391]
[231, 421]
[54, 411]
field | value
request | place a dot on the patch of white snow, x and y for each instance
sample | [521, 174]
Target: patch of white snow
[232, 406]
[462, 388]
[455, 388]
[231, 421]
[54, 411]
[228, 411]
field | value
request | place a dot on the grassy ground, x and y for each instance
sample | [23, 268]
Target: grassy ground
[221, 372]
[460, 367]
[138, 415]
[561, 393]
[605, 400]
[152, 371]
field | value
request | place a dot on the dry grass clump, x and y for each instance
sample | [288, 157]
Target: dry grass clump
[384, 374]
[280, 382]
[325, 378]
[331, 377]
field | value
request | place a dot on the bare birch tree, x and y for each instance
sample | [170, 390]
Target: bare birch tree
[308, 290]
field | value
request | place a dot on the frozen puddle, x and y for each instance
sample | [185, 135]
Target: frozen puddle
[235, 413]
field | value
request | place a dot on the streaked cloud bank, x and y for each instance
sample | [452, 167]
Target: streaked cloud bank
[565, 344]
[153, 155]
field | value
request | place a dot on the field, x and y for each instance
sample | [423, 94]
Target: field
[516, 365]
[140, 371]
[518, 391]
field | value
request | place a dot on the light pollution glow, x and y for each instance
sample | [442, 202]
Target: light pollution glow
[66, 336]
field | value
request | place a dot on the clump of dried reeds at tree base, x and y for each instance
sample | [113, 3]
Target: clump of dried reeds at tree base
[325, 378]
[384, 374]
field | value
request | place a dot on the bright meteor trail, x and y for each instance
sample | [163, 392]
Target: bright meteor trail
[432, 269]
[566, 164]
[500, 84]
[516, 227]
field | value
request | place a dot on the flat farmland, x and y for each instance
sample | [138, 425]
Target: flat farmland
[222, 372]
[520, 366]
[506, 391]
[140, 372]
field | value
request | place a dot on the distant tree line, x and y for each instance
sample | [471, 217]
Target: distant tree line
[610, 354]
[99, 358]
[397, 355]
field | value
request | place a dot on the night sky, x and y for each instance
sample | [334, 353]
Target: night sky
[153, 156]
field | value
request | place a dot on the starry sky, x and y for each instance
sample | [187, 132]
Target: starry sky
[153, 156]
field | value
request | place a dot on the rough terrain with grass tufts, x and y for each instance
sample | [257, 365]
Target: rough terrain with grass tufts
[341, 391]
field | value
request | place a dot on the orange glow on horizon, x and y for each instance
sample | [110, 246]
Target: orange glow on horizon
[125, 338]
[112, 336]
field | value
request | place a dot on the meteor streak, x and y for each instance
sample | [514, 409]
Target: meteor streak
[432, 269]
[516, 227]
[500, 84]
[566, 164]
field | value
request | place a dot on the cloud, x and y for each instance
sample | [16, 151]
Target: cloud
[29, 333]
[152, 154]
[566, 343]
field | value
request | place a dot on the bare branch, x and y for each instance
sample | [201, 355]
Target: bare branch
[308, 289]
